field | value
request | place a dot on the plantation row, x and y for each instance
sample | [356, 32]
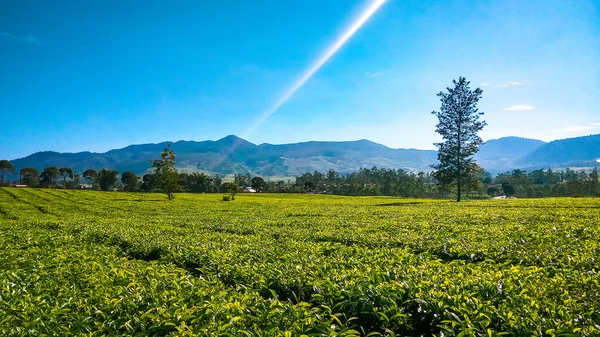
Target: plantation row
[84, 262]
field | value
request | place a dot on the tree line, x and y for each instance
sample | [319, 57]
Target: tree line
[373, 181]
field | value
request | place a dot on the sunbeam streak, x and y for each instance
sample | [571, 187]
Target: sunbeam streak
[315, 67]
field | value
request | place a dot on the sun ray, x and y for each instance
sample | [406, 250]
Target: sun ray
[369, 11]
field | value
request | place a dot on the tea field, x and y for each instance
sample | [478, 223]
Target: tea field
[86, 263]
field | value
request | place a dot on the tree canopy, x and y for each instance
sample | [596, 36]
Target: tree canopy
[107, 179]
[130, 181]
[29, 176]
[5, 166]
[459, 124]
[48, 176]
[165, 173]
[91, 176]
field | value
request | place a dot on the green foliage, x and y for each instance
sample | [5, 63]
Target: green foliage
[82, 263]
[65, 172]
[165, 173]
[458, 125]
[48, 176]
[5, 166]
[91, 176]
[107, 179]
[258, 184]
[29, 176]
[130, 181]
[232, 188]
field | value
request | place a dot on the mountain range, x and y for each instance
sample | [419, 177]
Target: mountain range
[232, 154]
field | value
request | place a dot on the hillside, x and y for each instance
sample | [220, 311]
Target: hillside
[232, 154]
[502, 154]
[570, 152]
[235, 155]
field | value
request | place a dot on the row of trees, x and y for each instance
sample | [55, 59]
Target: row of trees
[545, 183]
[374, 181]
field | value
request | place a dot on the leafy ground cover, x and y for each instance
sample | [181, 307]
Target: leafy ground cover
[93, 263]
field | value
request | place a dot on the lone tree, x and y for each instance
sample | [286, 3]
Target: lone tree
[458, 125]
[5, 166]
[165, 173]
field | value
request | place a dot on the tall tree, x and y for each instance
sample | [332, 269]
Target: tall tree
[107, 179]
[66, 172]
[48, 176]
[29, 176]
[5, 166]
[91, 176]
[459, 123]
[165, 172]
[130, 181]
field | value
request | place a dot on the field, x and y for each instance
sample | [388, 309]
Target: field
[106, 263]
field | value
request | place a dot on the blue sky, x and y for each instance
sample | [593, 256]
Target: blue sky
[97, 75]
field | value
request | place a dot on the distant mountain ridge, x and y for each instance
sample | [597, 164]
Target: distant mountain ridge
[232, 154]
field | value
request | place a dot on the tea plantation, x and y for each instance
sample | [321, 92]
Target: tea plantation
[85, 263]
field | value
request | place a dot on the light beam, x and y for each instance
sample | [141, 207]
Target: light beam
[369, 11]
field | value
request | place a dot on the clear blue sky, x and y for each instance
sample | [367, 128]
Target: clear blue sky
[96, 75]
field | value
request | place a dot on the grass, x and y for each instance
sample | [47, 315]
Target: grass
[104, 263]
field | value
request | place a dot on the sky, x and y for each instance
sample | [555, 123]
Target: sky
[98, 75]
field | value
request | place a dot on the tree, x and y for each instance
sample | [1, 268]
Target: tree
[65, 172]
[148, 182]
[594, 184]
[130, 181]
[48, 176]
[232, 189]
[508, 190]
[459, 123]
[198, 182]
[5, 166]
[107, 179]
[29, 176]
[242, 180]
[166, 175]
[91, 176]
[258, 184]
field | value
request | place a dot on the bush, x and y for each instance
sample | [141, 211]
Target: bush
[226, 198]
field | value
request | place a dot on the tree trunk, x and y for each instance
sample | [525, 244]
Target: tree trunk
[458, 189]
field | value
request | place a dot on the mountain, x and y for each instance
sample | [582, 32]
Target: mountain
[570, 152]
[502, 154]
[235, 155]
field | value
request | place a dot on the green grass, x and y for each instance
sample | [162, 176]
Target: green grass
[101, 263]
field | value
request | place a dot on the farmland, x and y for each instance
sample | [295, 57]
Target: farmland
[104, 263]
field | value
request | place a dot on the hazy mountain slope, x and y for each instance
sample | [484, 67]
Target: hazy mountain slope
[574, 152]
[235, 155]
[503, 153]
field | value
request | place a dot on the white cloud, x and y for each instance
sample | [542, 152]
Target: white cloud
[27, 39]
[510, 84]
[484, 84]
[518, 107]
